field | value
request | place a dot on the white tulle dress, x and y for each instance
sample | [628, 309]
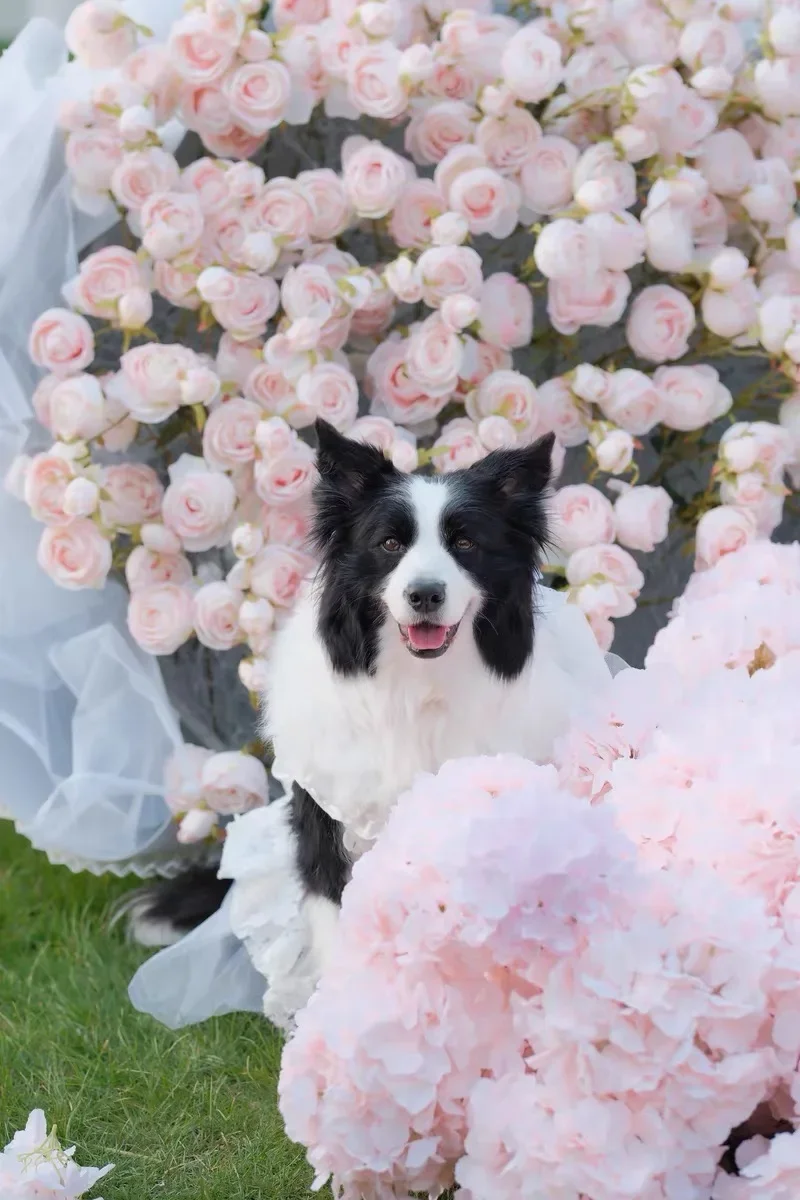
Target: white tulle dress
[253, 954]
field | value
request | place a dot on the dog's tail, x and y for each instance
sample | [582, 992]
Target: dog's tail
[160, 914]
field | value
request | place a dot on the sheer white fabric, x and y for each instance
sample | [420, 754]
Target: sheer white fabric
[85, 722]
[264, 906]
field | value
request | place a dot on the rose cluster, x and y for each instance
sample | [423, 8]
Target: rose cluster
[647, 177]
[580, 979]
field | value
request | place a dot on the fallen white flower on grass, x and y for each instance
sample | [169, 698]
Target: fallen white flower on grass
[34, 1164]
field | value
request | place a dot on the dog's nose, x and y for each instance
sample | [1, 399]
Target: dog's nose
[425, 596]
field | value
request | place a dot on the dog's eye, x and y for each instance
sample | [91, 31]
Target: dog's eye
[392, 544]
[464, 543]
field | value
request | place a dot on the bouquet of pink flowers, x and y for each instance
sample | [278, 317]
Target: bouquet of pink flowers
[444, 231]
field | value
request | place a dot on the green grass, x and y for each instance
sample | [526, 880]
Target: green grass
[185, 1116]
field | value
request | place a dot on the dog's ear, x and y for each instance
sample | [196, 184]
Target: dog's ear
[346, 463]
[522, 473]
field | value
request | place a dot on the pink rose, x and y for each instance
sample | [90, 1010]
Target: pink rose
[234, 782]
[531, 65]
[99, 34]
[487, 201]
[727, 162]
[287, 526]
[405, 456]
[198, 52]
[172, 224]
[634, 402]
[567, 249]
[61, 342]
[104, 278]
[81, 497]
[511, 395]
[268, 387]
[506, 316]
[598, 300]
[375, 315]
[333, 212]
[561, 413]
[508, 140]
[751, 491]
[285, 209]
[748, 444]
[216, 615]
[91, 156]
[143, 174]
[613, 450]
[149, 383]
[771, 195]
[246, 541]
[274, 437]
[721, 531]
[133, 495]
[496, 433]
[602, 181]
[733, 311]
[182, 772]
[374, 85]
[601, 599]
[582, 516]
[160, 617]
[450, 229]
[449, 271]
[435, 129]
[209, 182]
[229, 436]
[278, 572]
[418, 206]
[288, 477]
[433, 357]
[45, 482]
[595, 73]
[641, 516]
[388, 382]
[374, 177]
[75, 556]
[546, 176]
[375, 431]
[146, 567]
[459, 311]
[258, 95]
[198, 504]
[711, 42]
[457, 446]
[608, 562]
[150, 68]
[691, 396]
[727, 268]
[247, 312]
[660, 323]
[332, 392]
[784, 32]
[592, 384]
[159, 539]
[77, 408]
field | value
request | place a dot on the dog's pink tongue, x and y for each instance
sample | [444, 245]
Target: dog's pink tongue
[427, 637]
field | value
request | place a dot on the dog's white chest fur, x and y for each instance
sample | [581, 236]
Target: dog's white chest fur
[355, 744]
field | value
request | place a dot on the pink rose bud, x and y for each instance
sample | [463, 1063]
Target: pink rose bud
[497, 433]
[215, 283]
[256, 617]
[614, 452]
[135, 123]
[258, 252]
[255, 46]
[404, 456]
[642, 517]
[159, 539]
[378, 20]
[135, 308]
[234, 782]
[201, 386]
[246, 540]
[784, 31]
[274, 437]
[416, 64]
[449, 229]
[727, 268]
[635, 143]
[712, 82]
[245, 180]
[81, 497]
[496, 100]
[14, 481]
[254, 674]
[403, 279]
[99, 34]
[303, 335]
[196, 826]
[459, 311]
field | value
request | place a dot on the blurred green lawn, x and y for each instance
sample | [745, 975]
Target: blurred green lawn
[185, 1116]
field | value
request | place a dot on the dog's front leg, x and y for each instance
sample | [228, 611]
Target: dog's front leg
[324, 869]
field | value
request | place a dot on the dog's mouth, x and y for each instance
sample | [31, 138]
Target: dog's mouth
[428, 641]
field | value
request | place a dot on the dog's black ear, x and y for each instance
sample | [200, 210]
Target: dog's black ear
[346, 462]
[520, 473]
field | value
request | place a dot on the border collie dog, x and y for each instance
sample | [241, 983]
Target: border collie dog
[413, 644]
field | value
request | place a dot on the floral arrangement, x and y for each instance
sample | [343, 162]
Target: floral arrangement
[581, 979]
[503, 189]
[34, 1164]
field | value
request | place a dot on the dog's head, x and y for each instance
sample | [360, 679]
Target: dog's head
[430, 559]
